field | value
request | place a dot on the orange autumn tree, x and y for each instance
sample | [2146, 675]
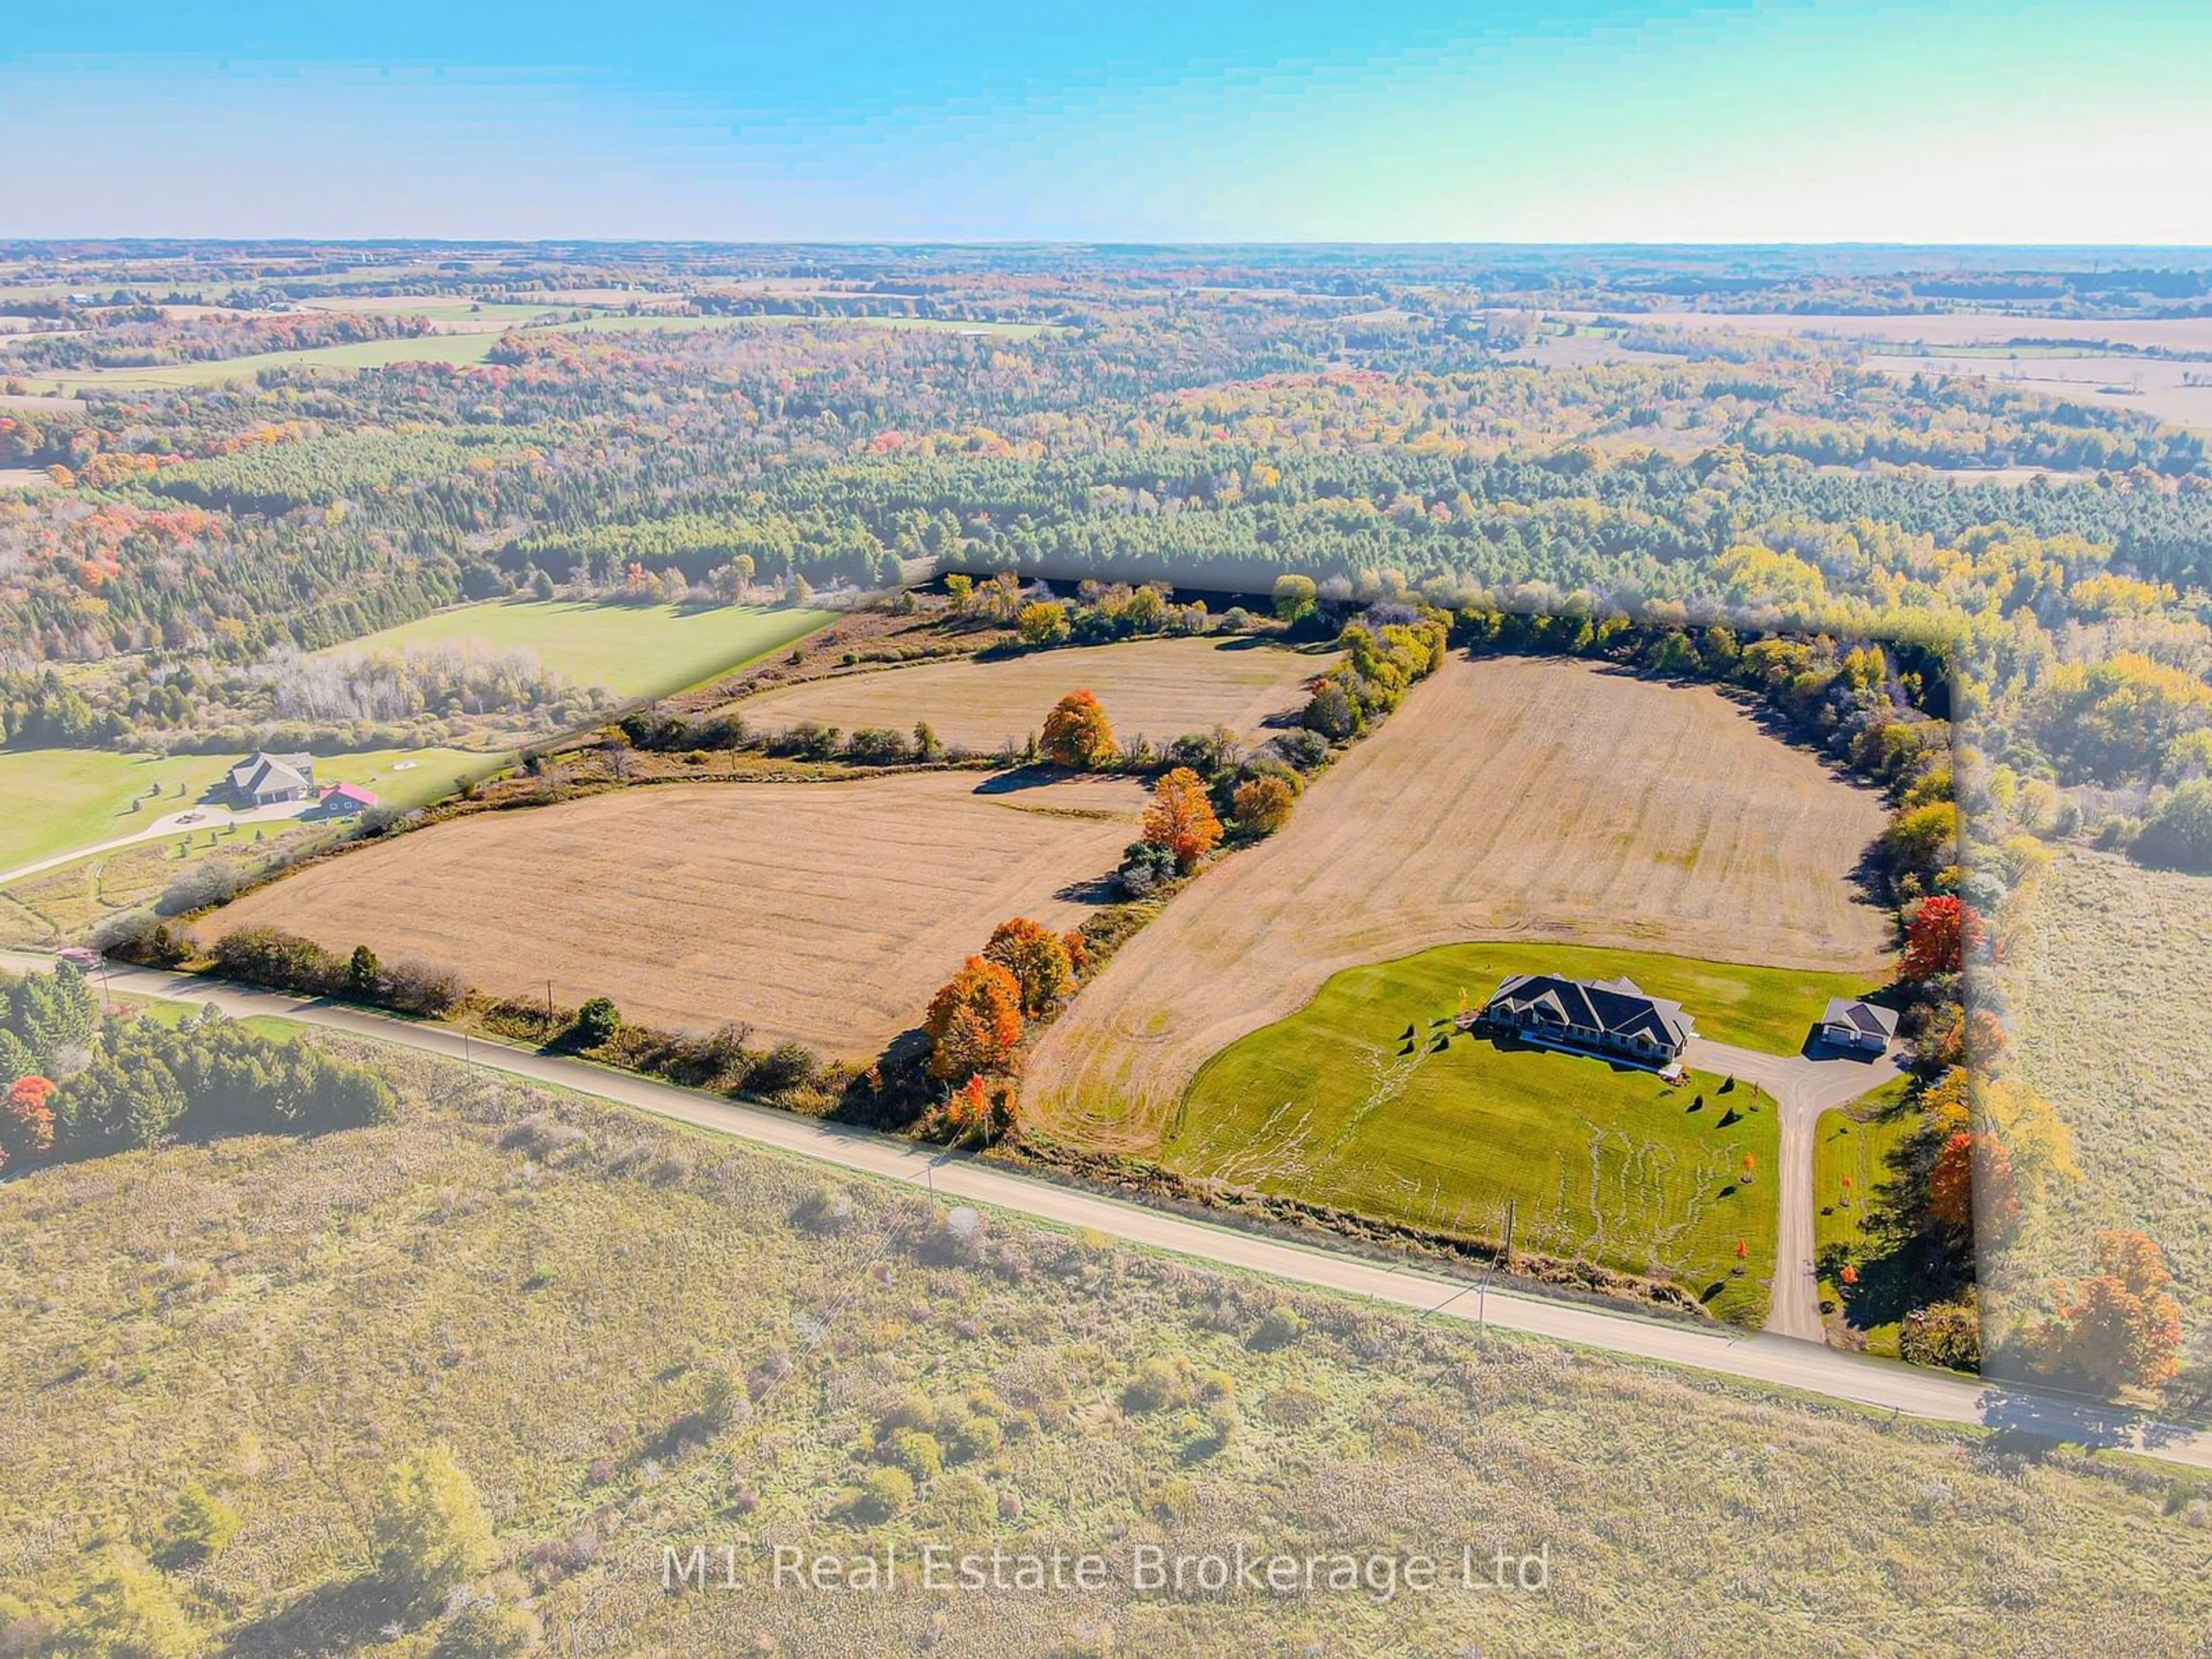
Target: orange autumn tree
[1181, 819]
[1077, 734]
[1036, 958]
[2119, 1328]
[974, 1021]
[27, 1119]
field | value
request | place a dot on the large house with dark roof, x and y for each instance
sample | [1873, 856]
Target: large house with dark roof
[1612, 1018]
[263, 779]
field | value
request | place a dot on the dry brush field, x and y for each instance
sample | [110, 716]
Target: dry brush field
[1509, 797]
[1160, 688]
[2112, 1022]
[556, 1289]
[820, 913]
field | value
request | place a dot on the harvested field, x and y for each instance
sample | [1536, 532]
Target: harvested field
[1161, 689]
[1947, 328]
[823, 913]
[1509, 798]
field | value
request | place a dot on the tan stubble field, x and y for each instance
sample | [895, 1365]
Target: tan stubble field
[1508, 798]
[826, 913]
[1159, 687]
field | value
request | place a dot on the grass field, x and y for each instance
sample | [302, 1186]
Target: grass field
[64, 904]
[1161, 689]
[1517, 799]
[82, 797]
[633, 651]
[462, 344]
[1852, 1164]
[1366, 1099]
[59, 799]
[2112, 1023]
[552, 1289]
[823, 913]
[366, 354]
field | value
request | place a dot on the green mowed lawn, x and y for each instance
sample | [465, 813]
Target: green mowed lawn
[634, 651]
[161, 1010]
[1366, 1099]
[59, 799]
[62, 798]
[1852, 1166]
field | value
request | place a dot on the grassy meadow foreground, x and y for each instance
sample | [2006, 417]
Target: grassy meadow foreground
[818, 913]
[1160, 689]
[1517, 798]
[2105, 987]
[629, 1336]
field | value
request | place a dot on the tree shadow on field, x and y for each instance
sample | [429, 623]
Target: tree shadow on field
[341, 1617]
[1024, 777]
[1090, 890]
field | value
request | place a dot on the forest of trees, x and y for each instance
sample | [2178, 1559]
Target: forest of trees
[77, 1081]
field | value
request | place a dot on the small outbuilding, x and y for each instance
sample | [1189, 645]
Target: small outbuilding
[343, 800]
[1854, 1022]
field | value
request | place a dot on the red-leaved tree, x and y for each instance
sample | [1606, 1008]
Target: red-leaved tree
[1942, 933]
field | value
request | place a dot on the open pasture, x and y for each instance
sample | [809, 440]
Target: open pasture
[1511, 797]
[2178, 392]
[1159, 687]
[633, 650]
[823, 913]
[455, 348]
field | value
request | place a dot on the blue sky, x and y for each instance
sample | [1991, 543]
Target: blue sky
[1358, 119]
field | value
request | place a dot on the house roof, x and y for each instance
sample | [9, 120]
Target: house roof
[352, 792]
[259, 773]
[1862, 1016]
[1618, 1007]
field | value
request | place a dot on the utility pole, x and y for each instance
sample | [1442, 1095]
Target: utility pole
[1504, 1253]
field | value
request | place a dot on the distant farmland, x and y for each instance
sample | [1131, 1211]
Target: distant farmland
[820, 913]
[632, 650]
[1509, 798]
[1161, 689]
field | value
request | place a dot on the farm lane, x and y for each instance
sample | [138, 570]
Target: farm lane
[1760, 1359]
[1802, 1088]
